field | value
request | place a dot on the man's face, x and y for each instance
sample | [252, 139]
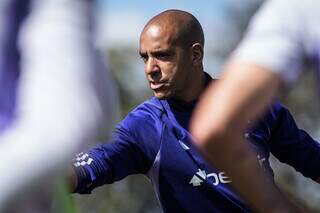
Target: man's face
[166, 64]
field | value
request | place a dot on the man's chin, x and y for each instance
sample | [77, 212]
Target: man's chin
[161, 96]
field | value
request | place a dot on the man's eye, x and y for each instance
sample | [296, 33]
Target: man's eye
[144, 58]
[163, 56]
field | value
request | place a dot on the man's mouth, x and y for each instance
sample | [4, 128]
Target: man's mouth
[156, 86]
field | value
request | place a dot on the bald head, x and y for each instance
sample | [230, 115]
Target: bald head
[183, 27]
[171, 46]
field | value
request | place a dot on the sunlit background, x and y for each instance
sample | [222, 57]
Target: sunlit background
[119, 23]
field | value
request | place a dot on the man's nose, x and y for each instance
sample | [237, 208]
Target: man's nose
[151, 66]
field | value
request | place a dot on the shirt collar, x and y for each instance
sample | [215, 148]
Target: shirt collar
[187, 106]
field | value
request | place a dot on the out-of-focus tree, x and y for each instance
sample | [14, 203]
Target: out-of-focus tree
[129, 75]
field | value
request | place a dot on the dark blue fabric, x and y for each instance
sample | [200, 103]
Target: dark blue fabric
[15, 13]
[152, 140]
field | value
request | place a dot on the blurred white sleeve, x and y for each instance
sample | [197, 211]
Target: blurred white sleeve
[275, 38]
[65, 97]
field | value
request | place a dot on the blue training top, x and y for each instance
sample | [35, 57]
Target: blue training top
[154, 140]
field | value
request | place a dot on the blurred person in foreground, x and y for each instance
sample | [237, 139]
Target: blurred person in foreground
[281, 38]
[154, 138]
[55, 95]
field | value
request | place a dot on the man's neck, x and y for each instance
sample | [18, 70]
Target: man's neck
[197, 86]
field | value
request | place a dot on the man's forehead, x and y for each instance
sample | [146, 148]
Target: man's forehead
[157, 35]
[153, 31]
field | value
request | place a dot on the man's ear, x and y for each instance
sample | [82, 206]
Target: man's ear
[197, 53]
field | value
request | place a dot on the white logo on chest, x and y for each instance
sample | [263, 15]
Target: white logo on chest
[214, 178]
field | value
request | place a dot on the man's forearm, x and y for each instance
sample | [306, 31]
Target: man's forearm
[219, 124]
[254, 184]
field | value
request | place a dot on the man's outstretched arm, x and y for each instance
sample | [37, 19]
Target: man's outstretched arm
[219, 124]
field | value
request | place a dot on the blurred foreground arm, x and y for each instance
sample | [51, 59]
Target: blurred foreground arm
[274, 48]
[219, 124]
[61, 100]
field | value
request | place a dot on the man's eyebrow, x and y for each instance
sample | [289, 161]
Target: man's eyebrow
[156, 52]
[161, 51]
[142, 53]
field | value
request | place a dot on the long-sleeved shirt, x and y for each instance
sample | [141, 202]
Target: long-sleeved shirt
[154, 140]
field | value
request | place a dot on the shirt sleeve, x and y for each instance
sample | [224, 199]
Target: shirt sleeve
[131, 151]
[274, 39]
[294, 146]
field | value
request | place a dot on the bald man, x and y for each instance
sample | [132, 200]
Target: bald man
[154, 140]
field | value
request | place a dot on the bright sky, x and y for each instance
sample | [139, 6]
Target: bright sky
[121, 21]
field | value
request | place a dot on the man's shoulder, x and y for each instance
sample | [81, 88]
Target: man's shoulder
[276, 115]
[271, 115]
[277, 108]
[145, 114]
[143, 125]
[151, 107]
